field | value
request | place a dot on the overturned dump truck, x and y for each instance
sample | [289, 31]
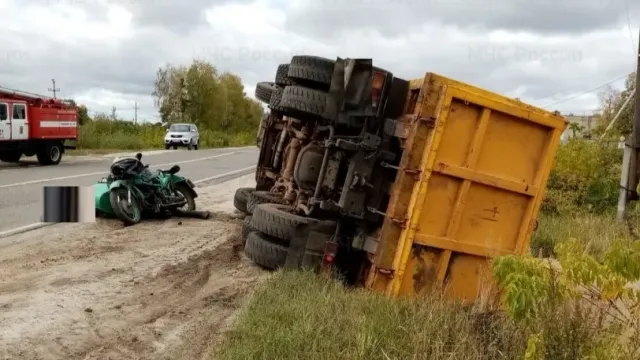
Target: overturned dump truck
[400, 186]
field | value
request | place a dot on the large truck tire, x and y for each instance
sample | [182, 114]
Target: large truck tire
[264, 251]
[313, 71]
[240, 198]
[276, 98]
[50, 153]
[262, 197]
[282, 76]
[246, 228]
[274, 220]
[264, 90]
[10, 156]
[301, 102]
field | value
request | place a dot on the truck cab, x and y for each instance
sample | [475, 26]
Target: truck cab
[13, 120]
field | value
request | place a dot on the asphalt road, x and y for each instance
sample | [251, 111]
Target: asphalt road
[21, 185]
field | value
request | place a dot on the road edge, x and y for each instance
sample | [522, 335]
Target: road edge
[210, 181]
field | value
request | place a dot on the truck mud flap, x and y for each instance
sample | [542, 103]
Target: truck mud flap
[306, 249]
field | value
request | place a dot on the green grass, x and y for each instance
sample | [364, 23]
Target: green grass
[595, 231]
[298, 315]
[121, 135]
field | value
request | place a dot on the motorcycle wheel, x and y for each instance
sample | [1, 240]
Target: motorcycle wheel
[130, 213]
[188, 195]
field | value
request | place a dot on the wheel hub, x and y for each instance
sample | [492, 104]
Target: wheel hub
[54, 153]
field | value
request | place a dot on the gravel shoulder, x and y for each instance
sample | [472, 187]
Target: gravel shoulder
[157, 290]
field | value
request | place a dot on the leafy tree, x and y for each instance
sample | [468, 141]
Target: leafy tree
[83, 115]
[198, 93]
[575, 129]
[611, 101]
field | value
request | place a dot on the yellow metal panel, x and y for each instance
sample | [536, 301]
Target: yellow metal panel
[483, 170]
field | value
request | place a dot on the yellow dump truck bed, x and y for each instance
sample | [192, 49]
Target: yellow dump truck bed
[469, 187]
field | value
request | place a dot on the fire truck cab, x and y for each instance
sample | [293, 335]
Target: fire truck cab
[33, 125]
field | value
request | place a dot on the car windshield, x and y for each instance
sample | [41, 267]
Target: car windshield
[180, 128]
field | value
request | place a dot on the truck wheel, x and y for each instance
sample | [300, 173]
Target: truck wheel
[262, 197]
[11, 156]
[264, 90]
[313, 71]
[265, 252]
[299, 102]
[50, 154]
[246, 228]
[274, 220]
[282, 76]
[240, 198]
[276, 97]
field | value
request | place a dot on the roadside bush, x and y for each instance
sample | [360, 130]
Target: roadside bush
[125, 135]
[578, 307]
[585, 178]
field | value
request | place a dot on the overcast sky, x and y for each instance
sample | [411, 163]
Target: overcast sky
[104, 53]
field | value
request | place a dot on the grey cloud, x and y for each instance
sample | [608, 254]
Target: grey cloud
[175, 15]
[327, 18]
[129, 68]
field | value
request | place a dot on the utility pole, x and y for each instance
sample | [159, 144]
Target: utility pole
[113, 112]
[135, 108]
[632, 151]
[54, 89]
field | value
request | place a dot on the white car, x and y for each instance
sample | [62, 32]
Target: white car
[182, 135]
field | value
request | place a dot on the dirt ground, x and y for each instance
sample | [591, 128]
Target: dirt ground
[156, 290]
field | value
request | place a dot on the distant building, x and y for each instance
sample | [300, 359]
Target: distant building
[587, 124]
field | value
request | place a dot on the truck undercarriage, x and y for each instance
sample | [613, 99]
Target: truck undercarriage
[328, 158]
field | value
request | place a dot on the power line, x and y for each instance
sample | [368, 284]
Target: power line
[633, 43]
[54, 88]
[588, 91]
[135, 108]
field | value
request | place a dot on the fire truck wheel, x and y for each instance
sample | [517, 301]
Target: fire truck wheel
[262, 197]
[312, 71]
[301, 102]
[50, 154]
[10, 156]
[275, 220]
[265, 251]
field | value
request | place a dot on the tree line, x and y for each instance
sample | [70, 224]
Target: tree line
[199, 94]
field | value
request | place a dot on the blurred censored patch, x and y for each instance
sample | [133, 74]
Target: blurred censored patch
[63, 204]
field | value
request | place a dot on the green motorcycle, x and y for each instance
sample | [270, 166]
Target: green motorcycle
[132, 191]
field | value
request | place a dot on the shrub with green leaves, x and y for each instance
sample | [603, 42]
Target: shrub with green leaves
[585, 177]
[577, 307]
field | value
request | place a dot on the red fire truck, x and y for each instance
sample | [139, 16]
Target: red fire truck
[35, 125]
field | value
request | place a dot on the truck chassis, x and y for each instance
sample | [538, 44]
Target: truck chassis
[328, 157]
